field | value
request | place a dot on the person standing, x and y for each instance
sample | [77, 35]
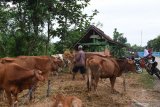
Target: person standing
[79, 62]
[146, 53]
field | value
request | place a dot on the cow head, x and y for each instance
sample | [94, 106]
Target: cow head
[68, 57]
[131, 66]
[60, 62]
[57, 62]
[59, 100]
[38, 75]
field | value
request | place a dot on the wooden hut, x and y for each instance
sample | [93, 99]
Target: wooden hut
[95, 40]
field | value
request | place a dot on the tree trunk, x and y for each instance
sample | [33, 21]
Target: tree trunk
[48, 38]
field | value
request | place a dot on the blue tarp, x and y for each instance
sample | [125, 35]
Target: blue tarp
[156, 54]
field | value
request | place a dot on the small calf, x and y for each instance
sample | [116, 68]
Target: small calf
[66, 101]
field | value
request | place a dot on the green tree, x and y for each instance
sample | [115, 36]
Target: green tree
[136, 48]
[118, 51]
[28, 21]
[154, 44]
[119, 37]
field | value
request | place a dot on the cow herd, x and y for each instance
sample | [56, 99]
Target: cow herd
[25, 72]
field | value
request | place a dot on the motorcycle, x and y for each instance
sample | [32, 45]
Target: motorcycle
[138, 66]
[147, 64]
[153, 70]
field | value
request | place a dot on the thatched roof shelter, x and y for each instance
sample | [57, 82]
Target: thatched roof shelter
[95, 37]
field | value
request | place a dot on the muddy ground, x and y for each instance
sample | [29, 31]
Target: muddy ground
[137, 93]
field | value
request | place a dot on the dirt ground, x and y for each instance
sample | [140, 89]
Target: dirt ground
[136, 96]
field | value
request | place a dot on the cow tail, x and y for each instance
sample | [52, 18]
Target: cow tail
[89, 84]
[89, 79]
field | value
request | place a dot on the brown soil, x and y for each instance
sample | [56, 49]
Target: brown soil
[136, 93]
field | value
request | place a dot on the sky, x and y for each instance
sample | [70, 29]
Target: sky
[138, 20]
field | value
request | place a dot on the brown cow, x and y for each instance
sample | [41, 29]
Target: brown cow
[99, 67]
[14, 79]
[66, 101]
[43, 63]
[68, 58]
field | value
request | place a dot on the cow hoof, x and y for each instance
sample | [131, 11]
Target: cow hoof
[114, 92]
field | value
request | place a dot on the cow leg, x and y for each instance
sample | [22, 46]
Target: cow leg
[70, 69]
[14, 92]
[1, 95]
[74, 74]
[31, 94]
[89, 85]
[96, 83]
[112, 81]
[89, 79]
[83, 76]
[15, 100]
[9, 97]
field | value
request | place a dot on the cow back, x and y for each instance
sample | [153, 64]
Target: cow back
[43, 63]
[105, 67]
[14, 72]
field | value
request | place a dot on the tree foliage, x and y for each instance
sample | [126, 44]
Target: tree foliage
[154, 44]
[27, 26]
[118, 51]
[136, 48]
[119, 37]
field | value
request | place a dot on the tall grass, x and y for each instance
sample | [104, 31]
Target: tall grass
[146, 80]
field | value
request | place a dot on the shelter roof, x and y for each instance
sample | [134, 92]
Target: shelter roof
[93, 30]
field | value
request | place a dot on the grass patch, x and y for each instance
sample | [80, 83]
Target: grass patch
[146, 80]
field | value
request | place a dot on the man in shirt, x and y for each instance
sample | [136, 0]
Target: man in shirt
[79, 62]
[146, 53]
